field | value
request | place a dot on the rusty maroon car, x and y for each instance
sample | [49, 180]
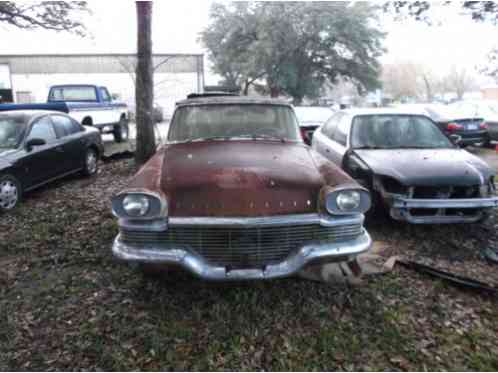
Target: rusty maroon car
[235, 194]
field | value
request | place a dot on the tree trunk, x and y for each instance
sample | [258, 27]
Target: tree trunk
[296, 101]
[144, 88]
[245, 92]
[428, 89]
[274, 92]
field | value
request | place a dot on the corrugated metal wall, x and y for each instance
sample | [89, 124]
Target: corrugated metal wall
[99, 63]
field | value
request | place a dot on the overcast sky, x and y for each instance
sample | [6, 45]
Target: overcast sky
[457, 41]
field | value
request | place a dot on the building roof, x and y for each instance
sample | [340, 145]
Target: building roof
[99, 63]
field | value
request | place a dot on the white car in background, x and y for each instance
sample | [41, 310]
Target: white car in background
[310, 118]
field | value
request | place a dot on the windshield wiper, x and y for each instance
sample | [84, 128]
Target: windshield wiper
[211, 138]
[370, 147]
[262, 136]
[416, 147]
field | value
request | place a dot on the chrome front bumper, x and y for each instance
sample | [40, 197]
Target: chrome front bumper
[400, 209]
[312, 252]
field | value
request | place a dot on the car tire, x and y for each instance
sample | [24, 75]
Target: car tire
[91, 160]
[10, 192]
[121, 131]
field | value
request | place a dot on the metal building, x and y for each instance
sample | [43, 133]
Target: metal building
[27, 78]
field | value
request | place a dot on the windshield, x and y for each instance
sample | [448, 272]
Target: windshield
[73, 94]
[12, 129]
[396, 131]
[223, 121]
[313, 114]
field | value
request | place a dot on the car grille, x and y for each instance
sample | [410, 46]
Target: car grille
[242, 247]
[446, 192]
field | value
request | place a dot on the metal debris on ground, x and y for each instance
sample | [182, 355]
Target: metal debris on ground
[491, 254]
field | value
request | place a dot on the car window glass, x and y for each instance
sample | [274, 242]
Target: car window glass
[70, 93]
[43, 129]
[396, 131]
[12, 129]
[105, 94]
[341, 133]
[329, 127]
[65, 126]
[233, 120]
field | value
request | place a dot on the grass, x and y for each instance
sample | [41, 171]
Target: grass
[65, 304]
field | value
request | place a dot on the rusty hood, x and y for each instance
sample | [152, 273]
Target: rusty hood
[239, 178]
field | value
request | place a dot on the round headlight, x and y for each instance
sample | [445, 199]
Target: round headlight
[348, 200]
[136, 205]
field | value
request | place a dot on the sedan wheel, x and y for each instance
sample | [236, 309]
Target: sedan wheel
[91, 160]
[10, 193]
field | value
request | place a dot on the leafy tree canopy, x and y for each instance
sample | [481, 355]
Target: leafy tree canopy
[294, 47]
[50, 15]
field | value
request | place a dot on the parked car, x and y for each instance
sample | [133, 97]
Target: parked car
[486, 109]
[411, 168]
[235, 194]
[454, 121]
[90, 105]
[158, 114]
[310, 118]
[37, 147]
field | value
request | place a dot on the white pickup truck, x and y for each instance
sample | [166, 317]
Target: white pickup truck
[90, 105]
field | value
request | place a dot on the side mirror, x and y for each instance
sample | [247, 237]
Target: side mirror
[34, 142]
[456, 139]
[115, 96]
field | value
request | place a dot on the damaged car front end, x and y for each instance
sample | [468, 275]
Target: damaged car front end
[411, 168]
[436, 204]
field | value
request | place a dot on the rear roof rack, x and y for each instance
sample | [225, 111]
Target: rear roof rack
[211, 94]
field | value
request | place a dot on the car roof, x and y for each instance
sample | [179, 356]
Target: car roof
[384, 111]
[241, 100]
[30, 115]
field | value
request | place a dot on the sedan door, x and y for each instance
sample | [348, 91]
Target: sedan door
[70, 138]
[41, 163]
[332, 141]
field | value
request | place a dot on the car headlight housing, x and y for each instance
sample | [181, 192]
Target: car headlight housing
[138, 205]
[347, 201]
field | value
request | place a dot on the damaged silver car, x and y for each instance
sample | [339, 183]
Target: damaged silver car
[413, 170]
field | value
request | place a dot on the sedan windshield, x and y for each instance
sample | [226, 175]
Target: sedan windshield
[12, 129]
[396, 131]
[228, 121]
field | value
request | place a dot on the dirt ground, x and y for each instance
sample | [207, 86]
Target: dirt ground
[66, 304]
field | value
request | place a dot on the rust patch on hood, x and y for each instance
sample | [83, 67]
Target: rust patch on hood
[239, 178]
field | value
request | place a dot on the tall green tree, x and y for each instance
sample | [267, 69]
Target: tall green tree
[295, 47]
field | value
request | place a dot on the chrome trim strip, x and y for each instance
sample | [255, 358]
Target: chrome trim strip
[307, 254]
[273, 221]
[461, 203]
[404, 215]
